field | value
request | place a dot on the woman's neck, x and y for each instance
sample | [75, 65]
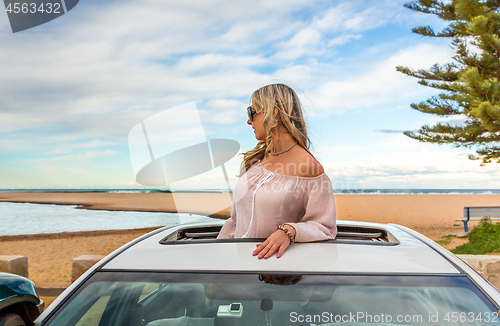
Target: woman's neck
[282, 142]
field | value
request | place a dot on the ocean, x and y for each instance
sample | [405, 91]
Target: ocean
[24, 218]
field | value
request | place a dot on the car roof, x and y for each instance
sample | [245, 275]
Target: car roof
[403, 253]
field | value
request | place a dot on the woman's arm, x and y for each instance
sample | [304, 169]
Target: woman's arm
[319, 220]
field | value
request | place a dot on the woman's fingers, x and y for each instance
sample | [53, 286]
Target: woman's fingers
[262, 250]
[260, 246]
[270, 252]
[256, 251]
[281, 250]
[277, 242]
[267, 252]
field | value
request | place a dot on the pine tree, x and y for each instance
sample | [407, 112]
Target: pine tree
[470, 84]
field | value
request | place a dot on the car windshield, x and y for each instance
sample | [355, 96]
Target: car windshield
[153, 299]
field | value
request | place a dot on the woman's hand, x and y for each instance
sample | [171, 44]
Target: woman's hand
[278, 241]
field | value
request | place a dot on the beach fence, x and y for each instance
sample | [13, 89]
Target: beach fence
[82, 263]
[79, 266]
[14, 264]
[486, 265]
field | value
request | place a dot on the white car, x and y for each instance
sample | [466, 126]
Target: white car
[372, 274]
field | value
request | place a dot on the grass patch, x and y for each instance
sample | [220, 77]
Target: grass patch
[484, 238]
[446, 239]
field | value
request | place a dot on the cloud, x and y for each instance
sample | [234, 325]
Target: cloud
[50, 144]
[381, 83]
[335, 26]
[415, 169]
[335, 150]
[75, 159]
[394, 131]
[344, 38]
[453, 121]
[355, 16]
[66, 148]
[222, 111]
[304, 42]
[431, 120]
[57, 170]
[390, 131]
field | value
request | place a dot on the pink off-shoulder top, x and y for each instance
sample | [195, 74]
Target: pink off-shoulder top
[262, 200]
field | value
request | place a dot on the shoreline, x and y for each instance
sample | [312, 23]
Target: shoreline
[63, 235]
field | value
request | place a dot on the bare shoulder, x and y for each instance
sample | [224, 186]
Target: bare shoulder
[309, 167]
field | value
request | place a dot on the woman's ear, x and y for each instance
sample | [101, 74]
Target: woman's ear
[276, 116]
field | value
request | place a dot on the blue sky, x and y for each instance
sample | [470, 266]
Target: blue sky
[73, 88]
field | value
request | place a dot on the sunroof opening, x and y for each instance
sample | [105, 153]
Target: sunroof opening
[345, 234]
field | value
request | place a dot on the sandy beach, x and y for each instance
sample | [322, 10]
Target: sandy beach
[50, 256]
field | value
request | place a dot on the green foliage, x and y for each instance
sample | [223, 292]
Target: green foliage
[484, 238]
[470, 84]
[446, 239]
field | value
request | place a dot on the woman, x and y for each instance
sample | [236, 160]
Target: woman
[282, 194]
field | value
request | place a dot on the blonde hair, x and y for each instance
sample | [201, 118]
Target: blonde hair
[290, 116]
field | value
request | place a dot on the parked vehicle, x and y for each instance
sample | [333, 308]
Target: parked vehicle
[19, 303]
[372, 274]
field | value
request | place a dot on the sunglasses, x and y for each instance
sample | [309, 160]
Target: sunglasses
[251, 112]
